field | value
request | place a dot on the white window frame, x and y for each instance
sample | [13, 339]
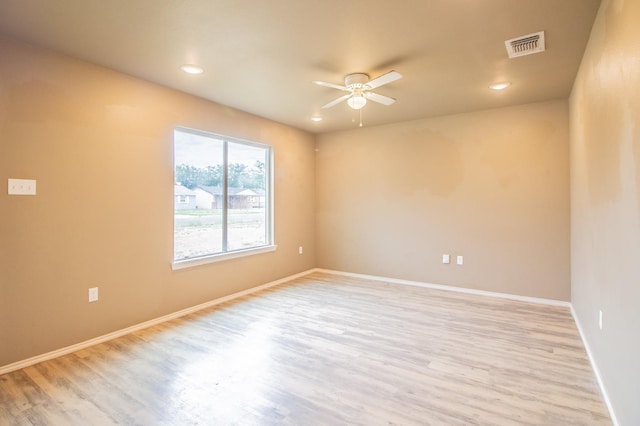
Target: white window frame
[269, 212]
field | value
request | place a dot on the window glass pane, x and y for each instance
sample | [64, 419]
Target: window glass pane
[198, 192]
[247, 208]
[221, 194]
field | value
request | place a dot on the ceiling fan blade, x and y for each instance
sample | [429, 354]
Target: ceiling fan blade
[337, 101]
[381, 99]
[384, 79]
[333, 86]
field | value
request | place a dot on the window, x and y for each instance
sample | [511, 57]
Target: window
[228, 209]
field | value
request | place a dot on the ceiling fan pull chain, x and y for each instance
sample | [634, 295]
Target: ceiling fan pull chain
[360, 117]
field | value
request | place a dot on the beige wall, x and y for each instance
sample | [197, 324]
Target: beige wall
[492, 186]
[100, 144]
[605, 201]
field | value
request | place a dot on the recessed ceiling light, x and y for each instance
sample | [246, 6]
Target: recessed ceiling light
[500, 86]
[316, 119]
[192, 69]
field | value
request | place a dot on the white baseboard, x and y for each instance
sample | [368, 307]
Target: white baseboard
[594, 366]
[451, 288]
[100, 339]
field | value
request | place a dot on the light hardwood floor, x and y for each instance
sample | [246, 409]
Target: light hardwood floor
[325, 350]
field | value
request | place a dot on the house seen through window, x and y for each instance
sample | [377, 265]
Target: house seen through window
[221, 194]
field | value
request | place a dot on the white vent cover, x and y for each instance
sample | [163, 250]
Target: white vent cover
[525, 45]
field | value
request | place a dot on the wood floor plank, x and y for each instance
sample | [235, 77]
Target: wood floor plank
[325, 350]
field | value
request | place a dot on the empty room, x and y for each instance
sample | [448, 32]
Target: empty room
[423, 212]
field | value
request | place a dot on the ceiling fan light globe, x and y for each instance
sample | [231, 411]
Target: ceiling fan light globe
[357, 102]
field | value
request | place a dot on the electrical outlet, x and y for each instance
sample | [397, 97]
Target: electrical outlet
[300, 250]
[93, 294]
[460, 260]
[600, 319]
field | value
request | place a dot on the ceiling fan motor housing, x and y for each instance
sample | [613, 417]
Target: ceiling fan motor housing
[356, 81]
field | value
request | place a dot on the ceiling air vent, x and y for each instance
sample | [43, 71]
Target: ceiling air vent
[525, 45]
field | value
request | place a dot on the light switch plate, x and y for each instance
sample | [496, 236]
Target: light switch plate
[22, 187]
[460, 260]
[446, 258]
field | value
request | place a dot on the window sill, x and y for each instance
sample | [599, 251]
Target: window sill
[188, 263]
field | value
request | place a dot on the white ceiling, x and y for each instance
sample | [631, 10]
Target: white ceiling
[261, 56]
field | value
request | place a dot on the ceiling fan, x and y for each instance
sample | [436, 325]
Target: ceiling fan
[358, 85]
